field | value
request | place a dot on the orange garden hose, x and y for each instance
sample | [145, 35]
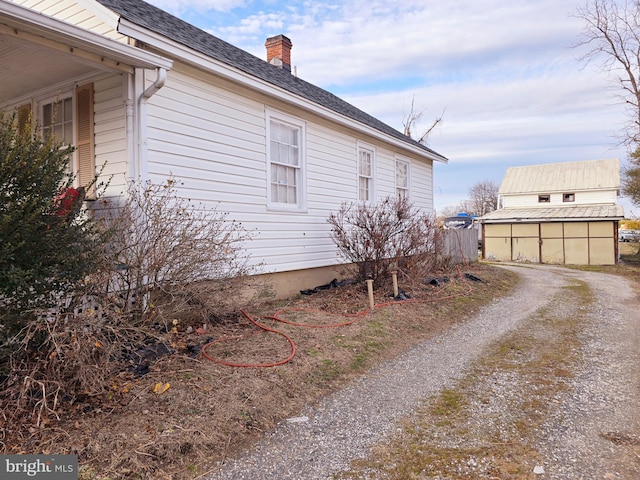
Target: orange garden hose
[353, 317]
[251, 365]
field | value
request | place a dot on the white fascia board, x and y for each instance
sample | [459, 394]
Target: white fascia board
[205, 62]
[35, 27]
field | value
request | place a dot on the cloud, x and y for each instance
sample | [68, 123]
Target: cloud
[181, 7]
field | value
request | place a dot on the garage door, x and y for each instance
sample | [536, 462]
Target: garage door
[552, 243]
[525, 246]
[574, 243]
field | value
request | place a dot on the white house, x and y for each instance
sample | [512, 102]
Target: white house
[559, 213]
[150, 96]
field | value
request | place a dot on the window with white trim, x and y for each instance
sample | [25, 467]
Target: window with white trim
[57, 119]
[285, 157]
[69, 118]
[402, 178]
[365, 174]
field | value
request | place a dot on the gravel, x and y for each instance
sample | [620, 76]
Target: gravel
[603, 399]
[584, 436]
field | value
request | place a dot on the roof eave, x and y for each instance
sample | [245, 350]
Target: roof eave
[548, 220]
[39, 28]
[558, 214]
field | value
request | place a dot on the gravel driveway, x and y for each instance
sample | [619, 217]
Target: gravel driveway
[582, 439]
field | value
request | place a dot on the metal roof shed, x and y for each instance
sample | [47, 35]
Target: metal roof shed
[562, 213]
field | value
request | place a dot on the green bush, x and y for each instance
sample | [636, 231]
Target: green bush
[46, 241]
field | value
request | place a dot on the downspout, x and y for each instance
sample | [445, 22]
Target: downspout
[129, 102]
[151, 90]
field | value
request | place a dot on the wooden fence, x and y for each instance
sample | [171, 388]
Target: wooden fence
[461, 244]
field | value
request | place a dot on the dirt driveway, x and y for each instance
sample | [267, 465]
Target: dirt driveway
[589, 428]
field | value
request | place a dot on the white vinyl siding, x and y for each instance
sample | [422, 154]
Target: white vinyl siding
[212, 136]
[110, 134]
[421, 189]
[365, 174]
[212, 133]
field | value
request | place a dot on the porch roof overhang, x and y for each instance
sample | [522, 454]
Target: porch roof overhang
[38, 51]
[574, 213]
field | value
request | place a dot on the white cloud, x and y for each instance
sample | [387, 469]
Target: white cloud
[180, 7]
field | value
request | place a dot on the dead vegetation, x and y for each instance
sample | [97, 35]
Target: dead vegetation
[174, 414]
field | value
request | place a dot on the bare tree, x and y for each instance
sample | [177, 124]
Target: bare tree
[449, 211]
[612, 33]
[483, 197]
[410, 120]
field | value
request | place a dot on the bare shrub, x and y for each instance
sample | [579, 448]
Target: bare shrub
[168, 255]
[166, 259]
[58, 361]
[389, 234]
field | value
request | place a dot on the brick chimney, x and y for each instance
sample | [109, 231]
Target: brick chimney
[279, 51]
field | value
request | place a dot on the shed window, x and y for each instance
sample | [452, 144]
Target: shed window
[544, 198]
[568, 197]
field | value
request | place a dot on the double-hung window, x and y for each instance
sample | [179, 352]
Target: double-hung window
[57, 120]
[69, 118]
[365, 173]
[402, 178]
[285, 162]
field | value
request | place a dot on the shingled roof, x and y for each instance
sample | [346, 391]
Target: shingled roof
[171, 27]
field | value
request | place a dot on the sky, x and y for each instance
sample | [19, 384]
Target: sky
[507, 78]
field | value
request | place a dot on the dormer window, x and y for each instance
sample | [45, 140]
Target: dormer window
[568, 197]
[544, 198]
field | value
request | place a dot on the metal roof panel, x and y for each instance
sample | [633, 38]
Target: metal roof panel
[562, 177]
